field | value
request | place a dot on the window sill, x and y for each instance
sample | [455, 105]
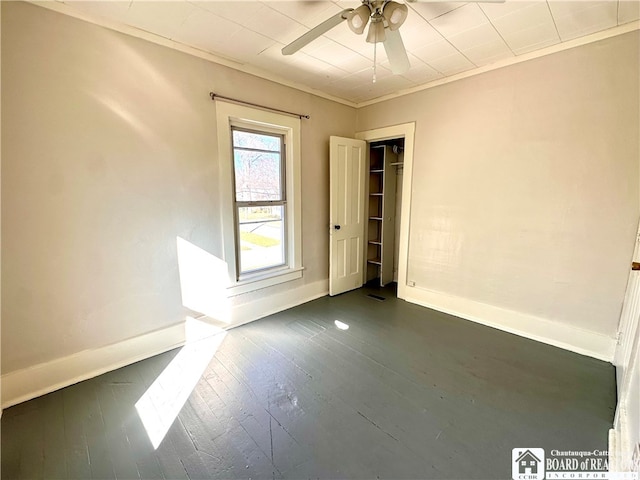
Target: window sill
[264, 280]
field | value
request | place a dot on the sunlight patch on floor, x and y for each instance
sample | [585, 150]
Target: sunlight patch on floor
[162, 402]
[341, 325]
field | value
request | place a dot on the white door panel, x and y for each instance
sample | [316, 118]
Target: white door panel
[627, 328]
[347, 174]
[624, 445]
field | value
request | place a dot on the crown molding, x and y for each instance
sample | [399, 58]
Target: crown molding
[560, 47]
[69, 10]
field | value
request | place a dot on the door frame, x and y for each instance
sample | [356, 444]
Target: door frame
[406, 131]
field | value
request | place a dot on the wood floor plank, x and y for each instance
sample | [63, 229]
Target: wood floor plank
[114, 416]
[54, 441]
[76, 448]
[170, 452]
[172, 466]
[181, 443]
[11, 443]
[96, 433]
[142, 450]
[195, 465]
[32, 453]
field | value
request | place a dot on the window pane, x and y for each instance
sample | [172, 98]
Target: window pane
[261, 237]
[256, 140]
[258, 176]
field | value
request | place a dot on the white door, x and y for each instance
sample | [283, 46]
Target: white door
[628, 325]
[624, 438]
[346, 230]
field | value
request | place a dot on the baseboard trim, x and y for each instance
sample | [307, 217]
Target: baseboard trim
[270, 304]
[31, 382]
[614, 454]
[623, 454]
[540, 329]
[27, 383]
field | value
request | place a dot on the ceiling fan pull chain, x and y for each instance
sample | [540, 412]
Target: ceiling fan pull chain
[374, 62]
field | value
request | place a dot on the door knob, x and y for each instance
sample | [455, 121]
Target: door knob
[337, 227]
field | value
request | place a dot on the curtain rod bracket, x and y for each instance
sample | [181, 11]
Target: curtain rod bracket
[215, 96]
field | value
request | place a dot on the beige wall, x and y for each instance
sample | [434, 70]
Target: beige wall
[528, 176]
[109, 153]
[528, 182]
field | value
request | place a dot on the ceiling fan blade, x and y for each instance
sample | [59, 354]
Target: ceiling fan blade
[396, 52]
[315, 32]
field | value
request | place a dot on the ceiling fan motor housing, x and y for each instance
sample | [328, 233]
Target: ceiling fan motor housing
[380, 14]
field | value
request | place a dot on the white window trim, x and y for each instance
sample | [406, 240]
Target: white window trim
[241, 116]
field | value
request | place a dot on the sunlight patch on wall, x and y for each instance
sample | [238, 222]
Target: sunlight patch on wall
[204, 279]
[127, 115]
[162, 402]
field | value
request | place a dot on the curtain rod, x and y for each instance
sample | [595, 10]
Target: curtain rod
[235, 100]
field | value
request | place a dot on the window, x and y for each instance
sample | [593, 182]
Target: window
[259, 158]
[260, 200]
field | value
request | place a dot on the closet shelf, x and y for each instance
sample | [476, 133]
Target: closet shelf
[383, 167]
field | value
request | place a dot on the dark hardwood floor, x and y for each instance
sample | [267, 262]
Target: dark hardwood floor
[404, 392]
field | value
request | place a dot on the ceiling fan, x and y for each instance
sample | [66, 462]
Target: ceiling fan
[384, 18]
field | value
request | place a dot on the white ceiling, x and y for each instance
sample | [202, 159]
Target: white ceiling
[442, 39]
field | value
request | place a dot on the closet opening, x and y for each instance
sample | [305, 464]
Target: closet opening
[383, 204]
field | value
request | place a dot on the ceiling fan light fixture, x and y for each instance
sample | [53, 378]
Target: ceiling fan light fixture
[395, 14]
[376, 31]
[358, 18]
